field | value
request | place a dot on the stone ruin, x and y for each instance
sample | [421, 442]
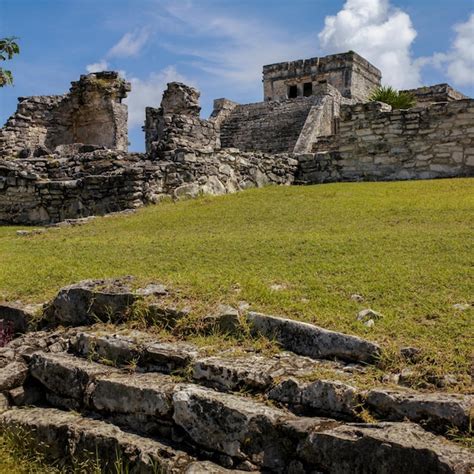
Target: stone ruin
[82, 386]
[91, 113]
[65, 157]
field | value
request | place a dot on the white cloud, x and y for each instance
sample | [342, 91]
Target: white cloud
[379, 32]
[148, 93]
[458, 62]
[101, 65]
[130, 44]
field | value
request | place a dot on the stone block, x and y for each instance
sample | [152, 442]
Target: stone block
[313, 341]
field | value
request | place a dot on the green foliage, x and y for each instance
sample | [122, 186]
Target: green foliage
[8, 48]
[406, 247]
[393, 97]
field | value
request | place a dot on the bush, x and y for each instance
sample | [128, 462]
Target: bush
[389, 95]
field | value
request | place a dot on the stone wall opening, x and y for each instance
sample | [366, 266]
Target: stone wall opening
[307, 89]
[292, 92]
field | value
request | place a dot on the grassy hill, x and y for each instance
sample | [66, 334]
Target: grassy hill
[406, 247]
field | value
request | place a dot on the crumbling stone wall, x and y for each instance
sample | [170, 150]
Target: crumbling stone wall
[376, 143]
[428, 95]
[176, 124]
[92, 113]
[58, 187]
[352, 75]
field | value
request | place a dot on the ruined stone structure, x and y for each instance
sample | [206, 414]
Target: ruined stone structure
[64, 157]
[92, 113]
[352, 75]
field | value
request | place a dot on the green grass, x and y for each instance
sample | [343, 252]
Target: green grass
[405, 246]
[17, 458]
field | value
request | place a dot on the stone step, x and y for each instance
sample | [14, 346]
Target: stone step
[113, 300]
[285, 444]
[68, 438]
[136, 348]
[275, 377]
[236, 430]
[232, 370]
[435, 411]
[313, 341]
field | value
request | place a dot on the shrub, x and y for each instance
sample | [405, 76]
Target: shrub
[389, 95]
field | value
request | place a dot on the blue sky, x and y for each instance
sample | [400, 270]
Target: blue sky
[221, 46]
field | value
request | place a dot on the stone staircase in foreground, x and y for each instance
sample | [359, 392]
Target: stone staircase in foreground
[125, 397]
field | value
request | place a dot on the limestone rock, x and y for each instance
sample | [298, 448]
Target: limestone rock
[152, 289]
[313, 341]
[368, 314]
[462, 306]
[90, 301]
[436, 410]
[164, 315]
[65, 375]
[235, 426]
[168, 357]
[226, 320]
[18, 314]
[187, 191]
[27, 395]
[13, 375]
[322, 397]
[251, 371]
[148, 394]
[69, 437]
[118, 349]
[383, 448]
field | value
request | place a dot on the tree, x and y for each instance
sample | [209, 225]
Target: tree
[8, 48]
[389, 95]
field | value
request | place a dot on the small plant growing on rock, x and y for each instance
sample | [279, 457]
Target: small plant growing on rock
[393, 97]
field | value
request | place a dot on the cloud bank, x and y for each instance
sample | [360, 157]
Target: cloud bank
[379, 32]
[459, 60]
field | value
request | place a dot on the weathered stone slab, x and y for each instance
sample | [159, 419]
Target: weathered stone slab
[382, 448]
[148, 394]
[436, 410]
[91, 301]
[235, 426]
[13, 375]
[137, 348]
[18, 315]
[323, 397]
[69, 437]
[257, 372]
[313, 341]
[225, 372]
[65, 375]
[116, 348]
[168, 357]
